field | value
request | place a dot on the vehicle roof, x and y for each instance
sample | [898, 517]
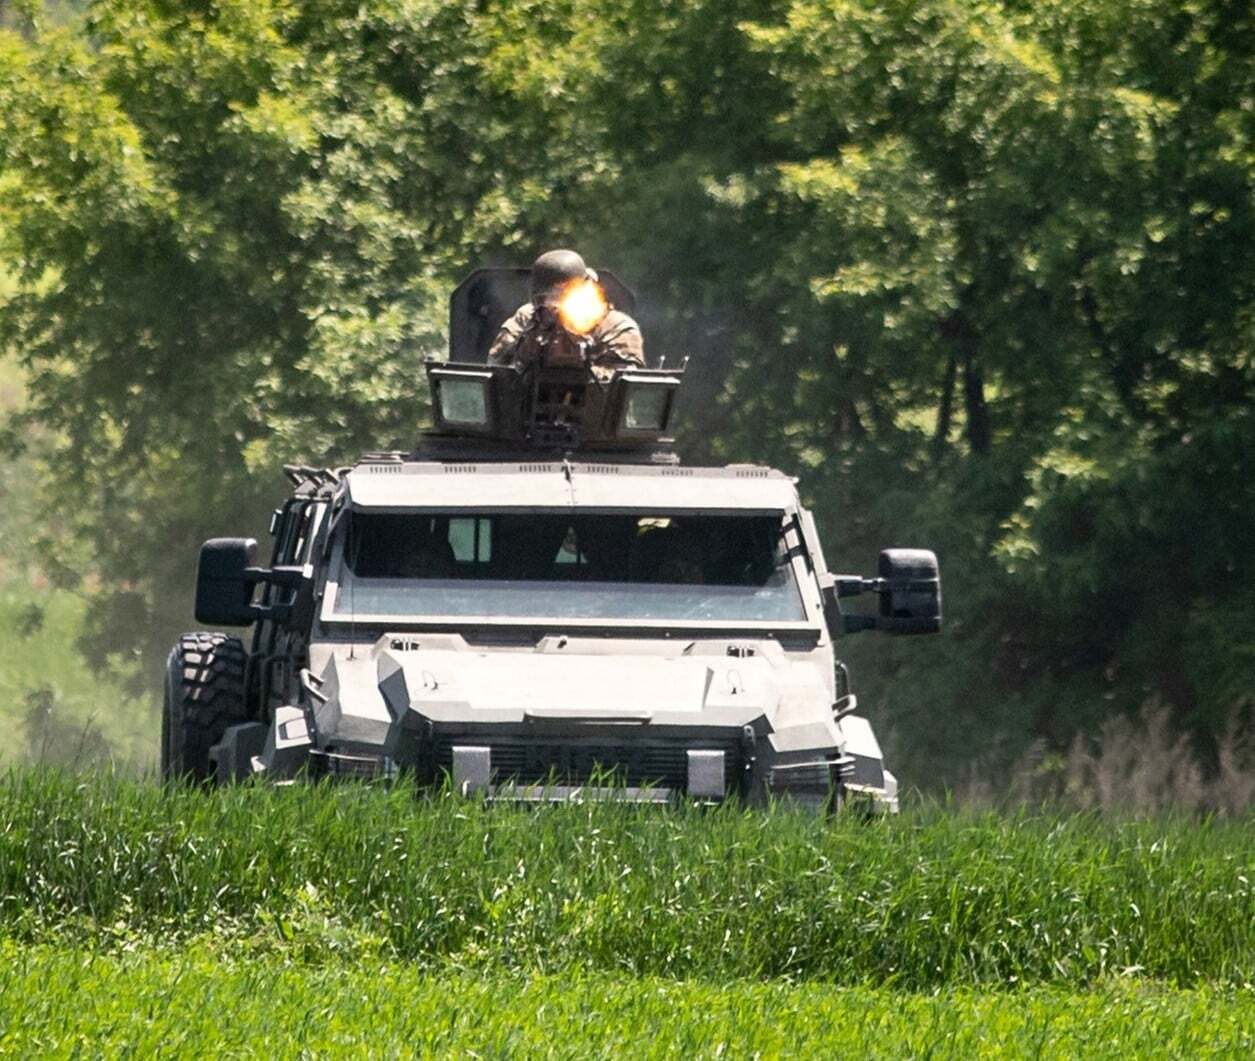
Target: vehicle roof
[535, 485]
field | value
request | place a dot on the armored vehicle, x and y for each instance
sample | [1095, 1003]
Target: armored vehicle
[540, 602]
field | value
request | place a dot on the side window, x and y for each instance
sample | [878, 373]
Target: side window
[471, 540]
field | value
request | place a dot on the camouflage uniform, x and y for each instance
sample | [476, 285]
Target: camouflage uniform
[613, 343]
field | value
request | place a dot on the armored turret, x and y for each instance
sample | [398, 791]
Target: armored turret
[487, 407]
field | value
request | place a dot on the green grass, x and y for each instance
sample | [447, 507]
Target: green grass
[926, 902]
[65, 1002]
[345, 920]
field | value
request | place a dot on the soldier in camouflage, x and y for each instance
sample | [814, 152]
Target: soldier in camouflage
[568, 322]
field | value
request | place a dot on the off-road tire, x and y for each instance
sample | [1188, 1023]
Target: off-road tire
[204, 695]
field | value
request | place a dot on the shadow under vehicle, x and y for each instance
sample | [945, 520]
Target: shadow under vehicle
[539, 602]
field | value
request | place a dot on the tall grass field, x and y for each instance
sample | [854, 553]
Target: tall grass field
[174, 920]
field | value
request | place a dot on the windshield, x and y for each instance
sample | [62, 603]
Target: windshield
[704, 568]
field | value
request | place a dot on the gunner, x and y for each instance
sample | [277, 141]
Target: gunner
[568, 322]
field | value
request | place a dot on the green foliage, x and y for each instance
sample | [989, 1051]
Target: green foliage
[57, 1001]
[980, 271]
[53, 706]
[227, 247]
[326, 873]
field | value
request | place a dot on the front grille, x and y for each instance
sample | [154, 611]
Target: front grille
[573, 762]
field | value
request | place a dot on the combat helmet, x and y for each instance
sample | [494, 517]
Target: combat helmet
[553, 270]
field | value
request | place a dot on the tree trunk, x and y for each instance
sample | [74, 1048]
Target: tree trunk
[945, 411]
[978, 431]
[959, 332]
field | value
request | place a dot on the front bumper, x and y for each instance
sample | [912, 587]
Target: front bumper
[562, 758]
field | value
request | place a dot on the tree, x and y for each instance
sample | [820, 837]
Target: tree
[234, 224]
[981, 271]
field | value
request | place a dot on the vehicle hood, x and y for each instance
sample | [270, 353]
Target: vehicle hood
[446, 681]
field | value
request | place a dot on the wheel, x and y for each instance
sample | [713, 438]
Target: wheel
[204, 695]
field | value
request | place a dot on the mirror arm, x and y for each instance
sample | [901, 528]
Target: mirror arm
[288, 576]
[853, 585]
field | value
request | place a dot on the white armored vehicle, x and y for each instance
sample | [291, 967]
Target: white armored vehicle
[540, 602]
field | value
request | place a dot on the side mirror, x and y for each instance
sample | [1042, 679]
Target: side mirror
[910, 603]
[909, 585]
[224, 592]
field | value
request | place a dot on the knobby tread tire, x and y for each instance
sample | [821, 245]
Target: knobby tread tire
[204, 695]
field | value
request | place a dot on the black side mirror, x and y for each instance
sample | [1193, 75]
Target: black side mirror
[909, 585]
[224, 592]
[910, 602]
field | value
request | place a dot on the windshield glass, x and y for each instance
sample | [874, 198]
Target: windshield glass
[705, 568]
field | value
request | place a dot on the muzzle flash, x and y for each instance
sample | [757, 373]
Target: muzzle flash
[582, 306]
